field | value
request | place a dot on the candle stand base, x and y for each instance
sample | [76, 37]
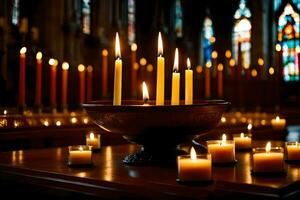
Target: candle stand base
[80, 165]
[269, 174]
[195, 183]
[38, 109]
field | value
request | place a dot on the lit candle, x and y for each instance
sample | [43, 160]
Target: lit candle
[22, 80]
[278, 124]
[207, 79]
[268, 159]
[104, 72]
[80, 155]
[53, 64]
[38, 84]
[232, 68]
[194, 168]
[293, 151]
[242, 141]
[249, 127]
[175, 97]
[81, 70]
[93, 140]
[145, 93]
[160, 82]
[133, 49]
[118, 74]
[64, 88]
[188, 84]
[89, 83]
[222, 151]
[220, 79]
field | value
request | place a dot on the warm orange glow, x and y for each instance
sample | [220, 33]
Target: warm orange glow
[73, 120]
[58, 123]
[143, 61]
[133, 47]
[231, 62]
[268, 147]
[224, 138]
[298, 49]
[220, 67]
[136, 66]
[199, 69]
[145, 92]
[92, 136]
[253, 72]
[271, 71]
[212, 39]
[214, 54]
[104, 52]
[242, 135]
[278, 47]
[39, 55]
[223, 119]
[228, 53]
[23, 50]
[89, 68]
[160, 45]
[81, 67]
[85, 120]
[117, 47]
[193, 154]
[260, 62]
[53, 62]
[277, 119]
[208, 64]
[249, 127]
[149, 68]
[188, 63]
[5, 112]
[176, 61]
[65, 66]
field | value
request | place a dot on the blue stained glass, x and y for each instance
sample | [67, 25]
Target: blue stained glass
[207, 41]
[178, 19]
[86, 16]
[15, 12]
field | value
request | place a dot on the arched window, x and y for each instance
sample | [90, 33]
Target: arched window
[288, 37]
[86, 16]
[131, 21]
[207, 41]
[241, 36]
[15, 12]
[178, 19]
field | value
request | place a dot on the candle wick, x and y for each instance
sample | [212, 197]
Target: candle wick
[160, 55]
[146, 100]
[175, 70]
[118, 57]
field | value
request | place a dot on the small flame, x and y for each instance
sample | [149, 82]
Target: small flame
[73, 120]
[145, 92]
[23, 50]
[249, 127]
[223, 119]
[89, 68]
[58, 123]
[224, 137]
[39, 55]
[176, 61]
[104, 52]
[188, 63]
[133, 47]
[80, 148]
[52, 61]
[92, 136]
[193, 154]
[81, 67]
[160, 45]
[65, 66]
[268, 147]
[277, 118]
[117, 47]
[242, 135]
[5, 112]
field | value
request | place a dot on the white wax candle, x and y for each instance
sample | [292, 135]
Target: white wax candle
[93, 141]
[80, 157]
[278, 124]
[293, 151]
[242, 141]
[221, 151]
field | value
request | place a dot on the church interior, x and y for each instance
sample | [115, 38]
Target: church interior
[132, 99]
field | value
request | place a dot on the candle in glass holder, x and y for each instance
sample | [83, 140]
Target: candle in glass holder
[268, 160]
[278, 124]
[242, 141]
[222, 151]
[80, 155]
[194, 167]
[93, 140]
[293, 151]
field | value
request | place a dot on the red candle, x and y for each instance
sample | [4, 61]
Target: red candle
[53, 64]
[133, 70]
[232, 66]
[220, 79]
[38, 84]
[89, 83]
[81, 70]
[64, 88]
[104, 72]
[21, 100]
[207, 80]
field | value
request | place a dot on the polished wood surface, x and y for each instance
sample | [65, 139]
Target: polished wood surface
[111, 179]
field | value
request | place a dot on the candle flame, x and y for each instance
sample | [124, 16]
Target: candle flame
[176, 61]
[133, 47]
[89, 68]
[242, 135]
[5, 112]
[65, 66]
[80, 148]
[23, 50]
[249, 127]
[268, 147]
[277, 118]
[52, 61]
[231, 62]
[81, 68]
[193, 154]
[145, 92]
[104, 52]
[224, 137]
[92, 136]
[188, 63]
[117, 47]
[278, 47]
[160, 45]
[228, 53]
[39, 55]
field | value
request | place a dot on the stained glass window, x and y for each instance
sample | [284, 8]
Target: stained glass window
[207, 41]
[86, 16]
[288, 37]
[131, 21]
[277, 4]
[178, 19]
[241, 36]
[15, 12]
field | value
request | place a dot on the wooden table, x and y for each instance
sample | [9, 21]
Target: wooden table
[44, 171]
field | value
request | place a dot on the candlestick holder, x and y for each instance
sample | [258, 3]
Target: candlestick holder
[158, 129]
